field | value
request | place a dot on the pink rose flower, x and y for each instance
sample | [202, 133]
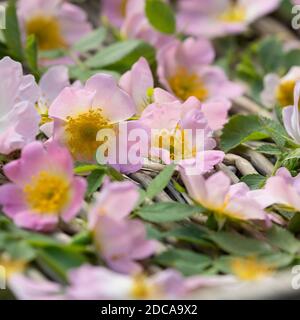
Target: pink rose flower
[184, 69]
[175, 123]
[80, 114]
[121, 242]
[116, 200]
[43, 189]
[56, 24]
[218, 18]
[19, 120]
[282, 189]
[225, 201]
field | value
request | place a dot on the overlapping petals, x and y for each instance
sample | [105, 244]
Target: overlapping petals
[43, 189]
[19, 119]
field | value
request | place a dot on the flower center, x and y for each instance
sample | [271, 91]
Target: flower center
[185, 84]
[141, 288]
[82, 132]
[43, 112]
[285, 93]
[10, 266]
[178, 142]
[47, 193]
[250, 269]
[47, 31]
[234, 13]
[123, 7]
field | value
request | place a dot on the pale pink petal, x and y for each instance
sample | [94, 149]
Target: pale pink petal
[216, 113]
[115, 103]
[217, 187]
[79, 188]
[137, 81]
[53, 81]
[71, 102]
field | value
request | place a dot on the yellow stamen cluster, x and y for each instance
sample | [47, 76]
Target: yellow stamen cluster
[47, 193]
[47, 31]
[176, 142]
[186, 84]
[285, 93]
[249, 269]
[234, 13]
[82, 132]
[11, 266]
[141, 288]
[123, 7]
[43, 112]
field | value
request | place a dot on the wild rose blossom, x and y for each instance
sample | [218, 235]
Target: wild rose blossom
[222, 199]
[280, 90]
[118, 240]
[56, 24]
[281, 189]
[175, 135]
[116, 200]
[138, 82]
[43, 189]
[26, 288]
[121, 242]
[218, 18]
[81, 113]
[166, 284]
[19, 119]
[52, 82]
[184, 68]
[98, 283]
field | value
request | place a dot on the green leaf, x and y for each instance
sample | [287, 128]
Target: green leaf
[294, 223]
[283, 239]
[20, 250]
[254, 181]
[167, 212]
[94, 181]
[191, 234]
[160, 182]
[52, 54]
[31, 54]
[292, 58]
[12, 32]
[160, 16]
[187, 262]
[277, 259]
[269, 149]
[239, 245]
[273, 62]
[121, 55]
[82, 238]
[114, 174]
[154, 233]
[83, 168]
[78, 73]
[91, 41]
[59, 260]
[295, 154]
[275, 130]
[240, 129]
